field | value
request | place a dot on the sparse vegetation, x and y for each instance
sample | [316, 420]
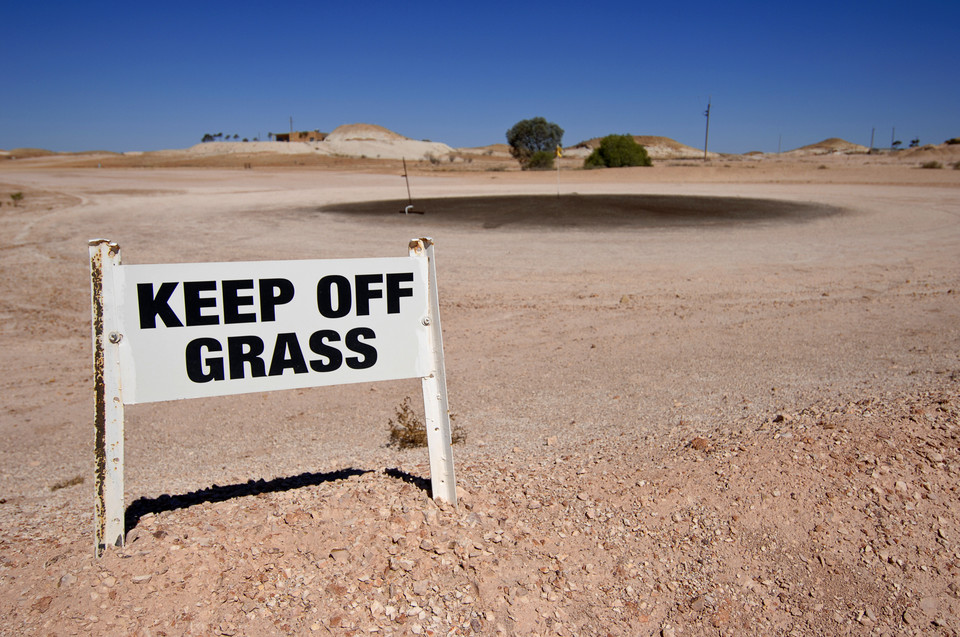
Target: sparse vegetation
[63, 484]
[408, 431]
[934, 165]
[17, 197]
[533, 143]
[616, 151]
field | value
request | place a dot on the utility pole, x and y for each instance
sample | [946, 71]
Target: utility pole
[893, 136]
[706, 138]
[873, 131]
[291, 124]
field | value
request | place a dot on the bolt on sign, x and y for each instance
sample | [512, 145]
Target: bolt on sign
[174, 331]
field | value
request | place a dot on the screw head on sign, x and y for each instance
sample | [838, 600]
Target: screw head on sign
[425, 320]
[115, 337]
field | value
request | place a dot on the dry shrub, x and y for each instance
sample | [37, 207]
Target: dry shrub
[407, 429]
[63, 484]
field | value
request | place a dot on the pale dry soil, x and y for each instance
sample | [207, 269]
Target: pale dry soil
[696, 402]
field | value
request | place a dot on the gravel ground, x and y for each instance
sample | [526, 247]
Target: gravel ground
[733, 424]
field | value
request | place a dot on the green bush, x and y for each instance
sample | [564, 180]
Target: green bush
[931, 164]
[616, 151]
[540, 160]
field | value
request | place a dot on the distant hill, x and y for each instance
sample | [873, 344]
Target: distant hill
[830, 146]
[657, 147]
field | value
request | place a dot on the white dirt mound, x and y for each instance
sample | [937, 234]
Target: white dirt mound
[364, 132]
[831, 146]
[658, 148]
[350, 140]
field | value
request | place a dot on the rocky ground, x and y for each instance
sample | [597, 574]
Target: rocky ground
[698, 430]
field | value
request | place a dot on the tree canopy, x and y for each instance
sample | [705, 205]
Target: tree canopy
[534, 138]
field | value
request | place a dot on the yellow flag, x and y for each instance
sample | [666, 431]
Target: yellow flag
[559, 151]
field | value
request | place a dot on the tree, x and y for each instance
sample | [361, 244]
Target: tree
[616, 151]
[533, 142]
[207, 137]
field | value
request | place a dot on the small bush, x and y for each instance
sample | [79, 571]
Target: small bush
[63, 484]
[540, 160]
[616, 151]
[952, 141]
[934, 165]
[17, 198]
[409, 431]
[956, 165]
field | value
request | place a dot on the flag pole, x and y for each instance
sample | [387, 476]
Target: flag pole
[559, 155]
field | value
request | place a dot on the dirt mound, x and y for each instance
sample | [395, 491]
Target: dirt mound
[364, 132]
[657, 147]
[939, 152]
[829, 146]
[26, 153]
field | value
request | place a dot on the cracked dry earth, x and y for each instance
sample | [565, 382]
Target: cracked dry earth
[693, 432]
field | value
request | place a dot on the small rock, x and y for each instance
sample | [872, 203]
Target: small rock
[552, 441]
[668, 631]
[421, 587]
[340, 555]
[534, 505]
[141, 579]
[42, 604]
[700, 444]
[67, 580]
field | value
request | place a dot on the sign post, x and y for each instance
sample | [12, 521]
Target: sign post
[174, 331]
[108, 414]
[435, 407]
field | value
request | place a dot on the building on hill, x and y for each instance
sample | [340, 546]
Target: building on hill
[301, 136]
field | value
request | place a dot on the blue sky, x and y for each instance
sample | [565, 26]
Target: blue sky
[146, 76]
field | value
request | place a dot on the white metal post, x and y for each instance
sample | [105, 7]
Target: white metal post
[108, 414]
[435, 406]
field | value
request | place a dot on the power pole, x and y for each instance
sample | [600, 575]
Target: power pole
[706, 138]
[873, 131]
[291, 124]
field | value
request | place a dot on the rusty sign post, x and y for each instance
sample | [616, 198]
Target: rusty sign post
[173, 331]
[108, 415]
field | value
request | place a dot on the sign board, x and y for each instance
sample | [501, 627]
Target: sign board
[211, 329]
[174, 331]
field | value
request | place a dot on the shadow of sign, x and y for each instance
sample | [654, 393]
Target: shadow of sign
[142, 506]
[421, 483]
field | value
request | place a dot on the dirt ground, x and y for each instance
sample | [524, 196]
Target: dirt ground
[698, 400]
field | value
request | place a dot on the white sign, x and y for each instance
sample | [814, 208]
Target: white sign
[210, 329]
[164, 332]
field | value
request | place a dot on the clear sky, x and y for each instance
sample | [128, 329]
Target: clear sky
[151, 75]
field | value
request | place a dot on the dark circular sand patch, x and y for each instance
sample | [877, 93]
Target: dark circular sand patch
[591, 210]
